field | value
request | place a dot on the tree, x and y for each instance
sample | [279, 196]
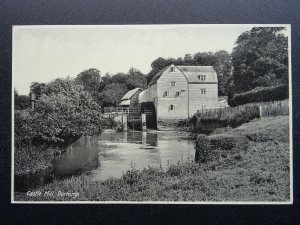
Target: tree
[90, 79]
[21, 101]
[260, 59]
[37, 89]
[136, 79]
[65, 113]
[112, 94]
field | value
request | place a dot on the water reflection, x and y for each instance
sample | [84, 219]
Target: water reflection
[111, 154]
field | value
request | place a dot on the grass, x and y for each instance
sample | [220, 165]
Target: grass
[258, 173]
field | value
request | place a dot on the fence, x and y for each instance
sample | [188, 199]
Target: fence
[265, 109]
[274, 108]
[121, 110]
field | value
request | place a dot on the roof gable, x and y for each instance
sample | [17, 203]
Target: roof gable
[157, 76]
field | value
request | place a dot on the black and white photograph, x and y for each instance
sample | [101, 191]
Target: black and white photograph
[155, 114]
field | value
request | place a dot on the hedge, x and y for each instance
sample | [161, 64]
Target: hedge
[265, 94]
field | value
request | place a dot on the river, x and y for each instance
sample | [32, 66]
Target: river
[111, 154]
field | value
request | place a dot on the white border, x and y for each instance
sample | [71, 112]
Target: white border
[159, 26]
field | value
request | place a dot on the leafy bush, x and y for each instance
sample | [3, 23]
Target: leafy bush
[228, 142]
[59, 117]
[132, 176]
[265, 94]
[203, 149]
[242, 117]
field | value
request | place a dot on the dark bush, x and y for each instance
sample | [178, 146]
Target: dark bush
[203, 149]
[174, 170]
[265, 94]
[131, 177]
[228, 142]
[243, 117]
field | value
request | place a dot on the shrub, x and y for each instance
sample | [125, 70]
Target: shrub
[243, 117]
[131, 177]
[264, 94]
[203, 149]
[174, 170]
[58, 118]
[228, 142]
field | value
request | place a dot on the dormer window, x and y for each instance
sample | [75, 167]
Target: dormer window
[172, 69]
[202, 77]
[173, 84]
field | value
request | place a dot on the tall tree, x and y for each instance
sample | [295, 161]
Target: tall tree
[260, 58]
[90, 79]
[112, 94]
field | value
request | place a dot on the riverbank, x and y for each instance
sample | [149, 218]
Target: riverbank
[258, 173]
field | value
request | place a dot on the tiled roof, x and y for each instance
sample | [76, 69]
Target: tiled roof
[130, 93]
[191, 73]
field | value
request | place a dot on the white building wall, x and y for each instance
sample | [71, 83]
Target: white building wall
[198, 101]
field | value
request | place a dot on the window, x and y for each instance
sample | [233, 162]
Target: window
[203, 107]
[173, 84]
[177, 94]
[203, 91]
[172, 107]
[172, 69]
[166, 93]
[202, 77]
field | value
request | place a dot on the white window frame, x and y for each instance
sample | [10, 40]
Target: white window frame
[166, 93]
[203, 91]
[202, 77]
[173, 82]
[203, 107]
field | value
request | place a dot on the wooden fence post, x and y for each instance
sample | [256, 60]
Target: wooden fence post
[144, 126]
[124, 122]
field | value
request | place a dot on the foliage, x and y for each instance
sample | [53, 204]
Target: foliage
[112, 94]
[260, 59]
[67, 113]
[21, 101]
[228, 142]
[220, 60]
[203, 149]
[265, 94]
[37, 89]
[132, 79]
[91, 81]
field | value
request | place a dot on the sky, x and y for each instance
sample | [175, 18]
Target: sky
[44, 53]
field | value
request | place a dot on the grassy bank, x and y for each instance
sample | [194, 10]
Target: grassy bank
[259, 172]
